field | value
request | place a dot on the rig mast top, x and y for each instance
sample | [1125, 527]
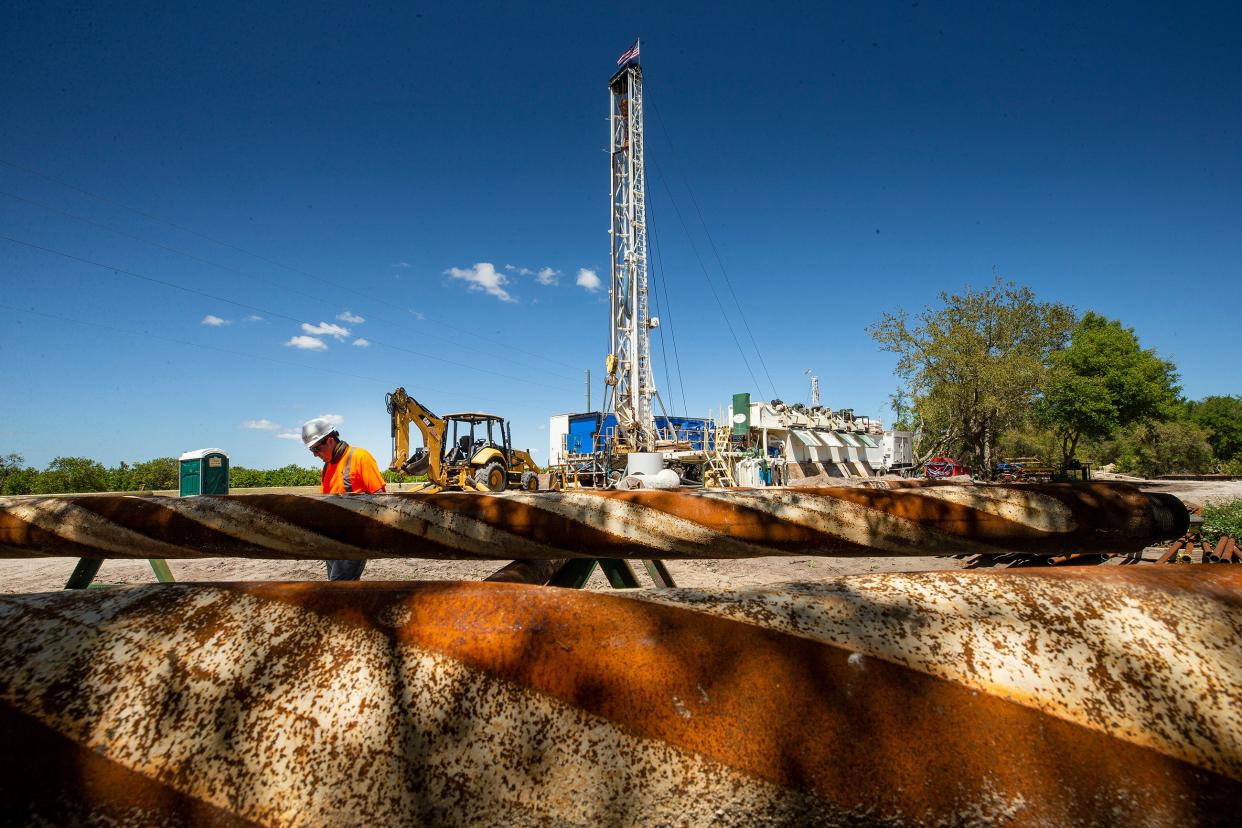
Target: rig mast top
[629, 374]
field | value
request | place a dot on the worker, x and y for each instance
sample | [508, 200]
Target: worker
[346, 470]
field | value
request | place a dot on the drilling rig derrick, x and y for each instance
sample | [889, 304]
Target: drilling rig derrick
[629, 379]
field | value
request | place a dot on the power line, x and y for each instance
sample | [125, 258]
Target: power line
[706, 232]
[335, 284]
[251, 276]
[668, 303]
[723, 315]
[148, 334]
[174, 340]
[267, 311]
[655, 297]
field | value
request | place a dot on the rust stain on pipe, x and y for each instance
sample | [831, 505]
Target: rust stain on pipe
[852, 701]
[733, 523]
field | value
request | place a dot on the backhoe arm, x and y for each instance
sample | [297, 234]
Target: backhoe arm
[404, 410]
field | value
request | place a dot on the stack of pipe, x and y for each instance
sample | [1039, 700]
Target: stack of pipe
[1110, 695]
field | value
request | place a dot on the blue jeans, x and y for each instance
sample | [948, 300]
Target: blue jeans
[345, 570]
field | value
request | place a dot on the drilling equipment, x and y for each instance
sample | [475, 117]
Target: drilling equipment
[469, 451]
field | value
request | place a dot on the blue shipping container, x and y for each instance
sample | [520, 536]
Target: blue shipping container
[583, 429]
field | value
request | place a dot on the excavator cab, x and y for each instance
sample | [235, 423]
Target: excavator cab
[470, 450]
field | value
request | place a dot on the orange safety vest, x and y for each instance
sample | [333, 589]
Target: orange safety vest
[356, 472]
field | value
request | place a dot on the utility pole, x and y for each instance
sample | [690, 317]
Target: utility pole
[629, 358]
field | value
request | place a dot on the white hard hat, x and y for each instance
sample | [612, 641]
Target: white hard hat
[314, 431]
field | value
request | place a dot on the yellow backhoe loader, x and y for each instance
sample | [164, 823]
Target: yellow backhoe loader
[470, 451]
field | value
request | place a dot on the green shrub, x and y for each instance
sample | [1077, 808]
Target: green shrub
[20, 481]
[71, 474]
[397, 477]
[1153, 449]
[241, 477]
[1222, 519]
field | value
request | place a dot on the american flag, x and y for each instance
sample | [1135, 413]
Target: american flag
[628, 55]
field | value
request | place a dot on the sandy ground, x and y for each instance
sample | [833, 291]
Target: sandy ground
[48, 574]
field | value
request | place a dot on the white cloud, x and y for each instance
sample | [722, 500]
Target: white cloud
[335, 419]
[351, 318]
[306, 343]
[402, 265]
[214, 321]
[544, 275]
[261, 424]
[483, 276]
[254, 317]
[325, 329]
[290, 435]
[362, 343]
[588, 279]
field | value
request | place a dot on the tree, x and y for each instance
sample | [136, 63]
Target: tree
[10, 464]
[121, 478]
[974, 365]
[241, 477]
[1222, 416]
[1028, 440]
[1155, 448]
[72, 474]
[1102, 382]
[20, 481]
[160, 473]
[904, 416]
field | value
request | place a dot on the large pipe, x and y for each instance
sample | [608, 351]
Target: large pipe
[1042, 697]
[723, 523]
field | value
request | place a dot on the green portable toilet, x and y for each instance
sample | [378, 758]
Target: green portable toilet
[204, 472]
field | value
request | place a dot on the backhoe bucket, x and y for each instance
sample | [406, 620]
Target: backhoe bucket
[419, 462]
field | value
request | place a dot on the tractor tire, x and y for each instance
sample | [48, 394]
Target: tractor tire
[530, 481]
[492, 477]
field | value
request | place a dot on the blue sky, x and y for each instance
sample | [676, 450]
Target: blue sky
[316, 164]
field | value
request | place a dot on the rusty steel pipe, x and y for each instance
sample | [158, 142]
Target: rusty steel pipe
[527, 572]
[723, 523]
[1033, 697]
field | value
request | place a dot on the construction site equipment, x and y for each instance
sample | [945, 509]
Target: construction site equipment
[1023, 470]
[470, 451]
[938, 698]
[628, 381]
[718, 471]
[901, 520]
[939, 468]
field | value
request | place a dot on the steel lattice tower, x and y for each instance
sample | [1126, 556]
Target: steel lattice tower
[629, 363]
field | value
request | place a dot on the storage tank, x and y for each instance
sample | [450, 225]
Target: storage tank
[558, 427]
